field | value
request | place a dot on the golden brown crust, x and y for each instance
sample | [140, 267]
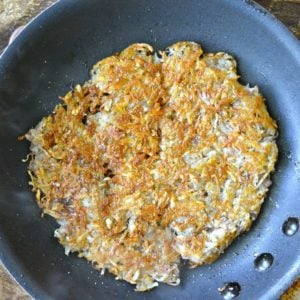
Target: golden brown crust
[154, 159]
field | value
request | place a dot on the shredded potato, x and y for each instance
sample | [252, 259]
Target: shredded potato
[158, 157]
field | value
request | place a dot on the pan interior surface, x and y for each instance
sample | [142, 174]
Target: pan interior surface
[57, 49]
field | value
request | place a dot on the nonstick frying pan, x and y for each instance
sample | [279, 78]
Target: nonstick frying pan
[57, 49]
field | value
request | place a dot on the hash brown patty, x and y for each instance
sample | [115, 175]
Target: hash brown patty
[158, 157]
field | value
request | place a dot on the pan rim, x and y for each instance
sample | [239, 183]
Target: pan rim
[291, 43]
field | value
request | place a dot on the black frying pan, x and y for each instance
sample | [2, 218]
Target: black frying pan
[57, 49]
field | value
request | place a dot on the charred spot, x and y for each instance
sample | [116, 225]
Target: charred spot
[148, 53]
[171, 115]
[106, 94]
[109, 173]
[94, 109]
[84, 119]
[161, 102]
[97, 107]
[159, 132]
[87, 92]
[147, 156]
[64, 106]
[205, 194]
[105, 165]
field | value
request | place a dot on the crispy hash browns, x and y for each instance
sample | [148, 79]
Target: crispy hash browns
[158, 157]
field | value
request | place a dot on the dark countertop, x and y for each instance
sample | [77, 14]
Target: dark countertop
[15, 13]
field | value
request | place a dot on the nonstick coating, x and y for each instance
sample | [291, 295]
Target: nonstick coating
[57, 49]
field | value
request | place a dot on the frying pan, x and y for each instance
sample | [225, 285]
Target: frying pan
[57, 49]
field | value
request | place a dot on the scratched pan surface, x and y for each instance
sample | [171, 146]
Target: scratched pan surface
[57, 49]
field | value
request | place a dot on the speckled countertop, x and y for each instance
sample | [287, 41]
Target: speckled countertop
[15, 13]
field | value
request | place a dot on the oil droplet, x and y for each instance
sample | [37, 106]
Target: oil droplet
[263, 262]
[230, 290]
[290, 226]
